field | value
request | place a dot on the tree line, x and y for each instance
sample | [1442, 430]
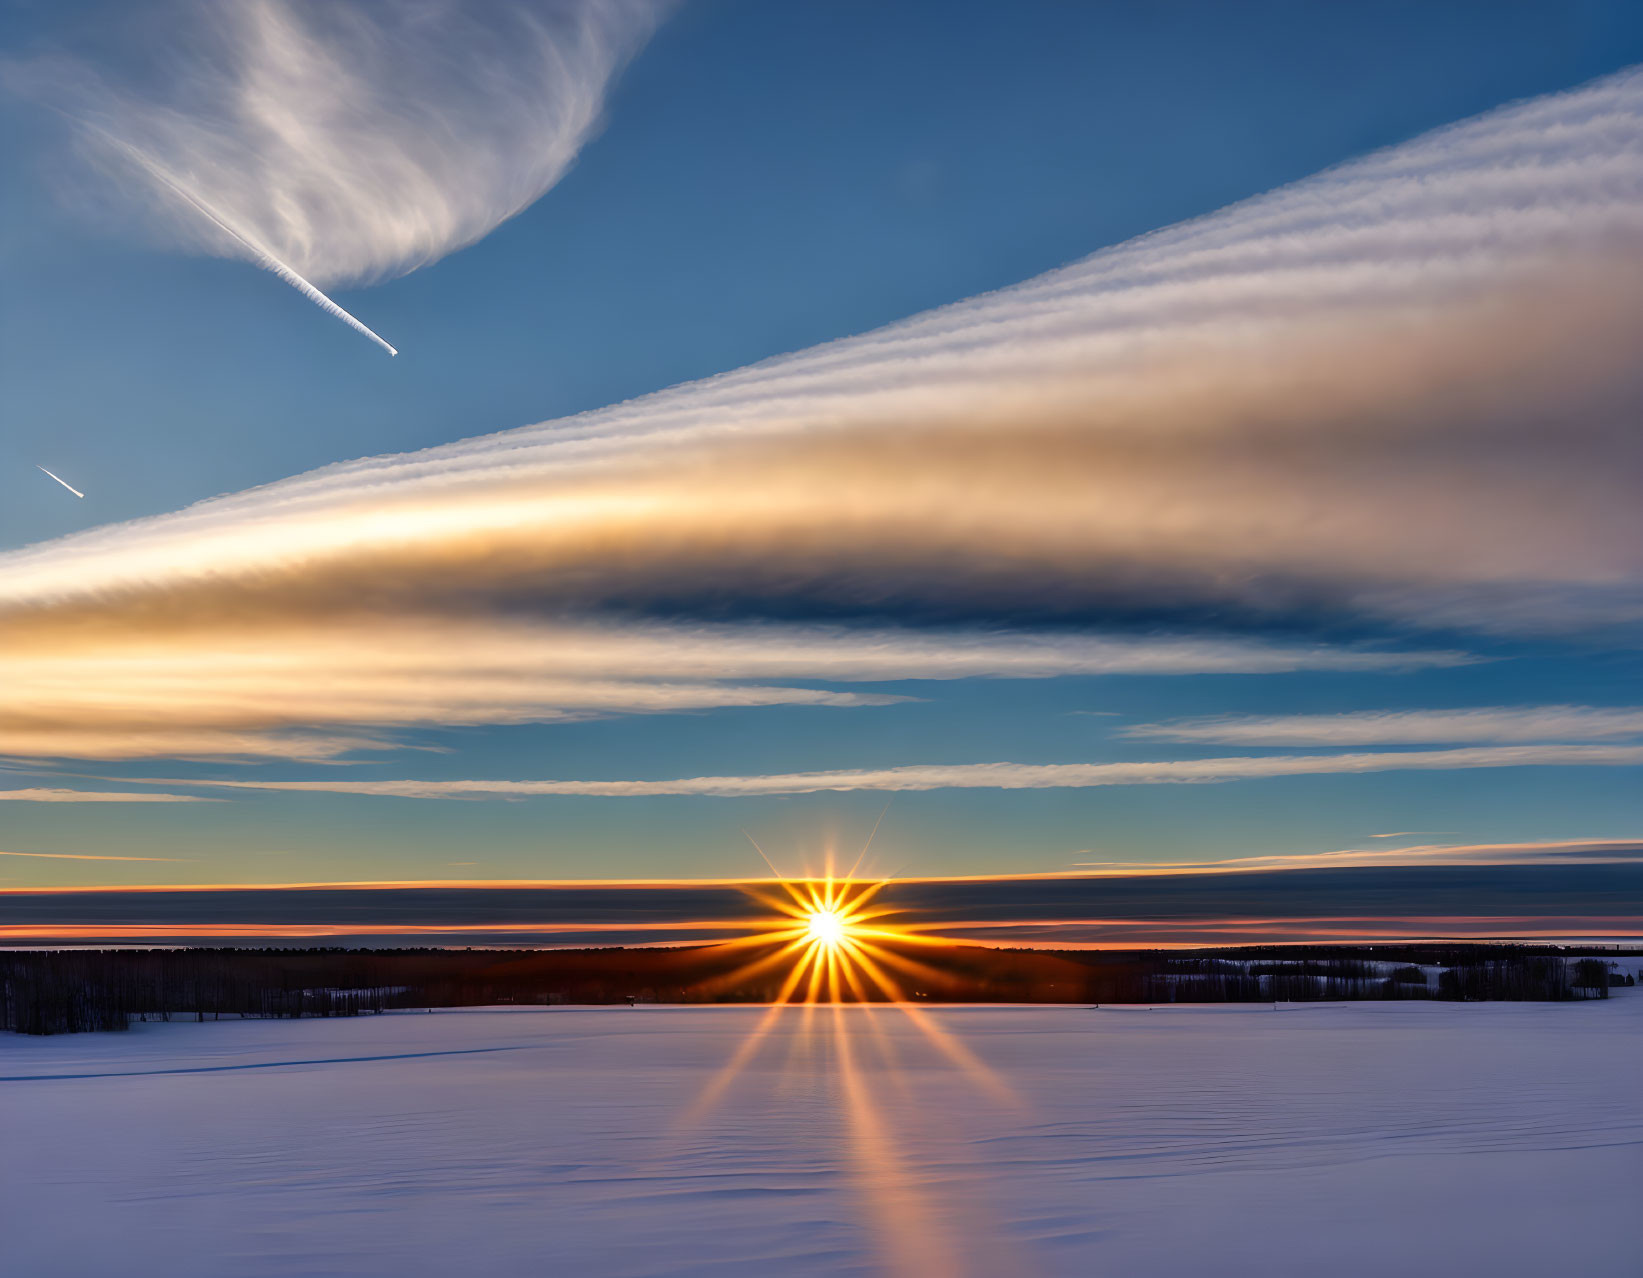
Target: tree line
[69, 991]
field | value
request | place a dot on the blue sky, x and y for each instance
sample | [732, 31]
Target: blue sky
[768, 178]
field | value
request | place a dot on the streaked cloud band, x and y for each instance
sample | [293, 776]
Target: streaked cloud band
[984, 776]
[1399, 397]
[1406, 727]
[303, 692]
[1516, 895]
[53, 794]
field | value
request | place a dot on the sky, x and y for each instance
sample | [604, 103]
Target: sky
[1057, 436]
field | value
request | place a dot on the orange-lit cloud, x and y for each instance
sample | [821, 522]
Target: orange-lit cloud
[1090, 932]
[1570, 888]
[319, 690]
[1402, 394]
[87, 856]
[50, 794]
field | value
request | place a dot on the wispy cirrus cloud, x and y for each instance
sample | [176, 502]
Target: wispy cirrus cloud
[90, 856]
[51, 794]
[1545, 852]
[981, 776]
[338, 141]
[1405, 727]
[1398, 397]
[301, 692]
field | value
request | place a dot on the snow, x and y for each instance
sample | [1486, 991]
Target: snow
[1356, 1139]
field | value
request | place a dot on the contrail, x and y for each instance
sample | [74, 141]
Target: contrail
[62, 481]
[261, 254]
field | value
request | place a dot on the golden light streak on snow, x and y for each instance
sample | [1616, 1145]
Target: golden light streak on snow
[836, 945]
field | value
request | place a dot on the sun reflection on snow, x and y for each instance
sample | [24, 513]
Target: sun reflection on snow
[830, 942]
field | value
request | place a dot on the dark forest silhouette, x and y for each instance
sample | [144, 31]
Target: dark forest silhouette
[67, 991]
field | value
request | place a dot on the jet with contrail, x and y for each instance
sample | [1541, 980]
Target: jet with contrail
[260, 254]
[61, 481]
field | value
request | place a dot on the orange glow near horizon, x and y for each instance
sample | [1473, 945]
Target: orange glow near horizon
[1119, 933]
[838, 947]
[835, 944]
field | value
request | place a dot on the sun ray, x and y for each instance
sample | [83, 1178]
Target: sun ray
[841, 941]
[757, 967]
[902, 963]
[950, 1046]
[818, 969]
[763, 857]
[914, 1245]
[862, 855]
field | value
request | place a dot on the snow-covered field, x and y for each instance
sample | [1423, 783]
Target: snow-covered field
[1373, 1139]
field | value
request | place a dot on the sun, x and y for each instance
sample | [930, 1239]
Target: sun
[832, 941]
[829, 935]
[826, 928]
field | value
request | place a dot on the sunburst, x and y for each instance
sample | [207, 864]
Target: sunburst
[826, 928]
[834, 939]
[838, 941]
[830, 935]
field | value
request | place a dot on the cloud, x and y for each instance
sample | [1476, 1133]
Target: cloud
[300, 691]
[1406, 727]
[87, 856]
[1398, 398]
[39, 794]
[985, 776]
[1551, 852]
[349, 141]
[1598, 896]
